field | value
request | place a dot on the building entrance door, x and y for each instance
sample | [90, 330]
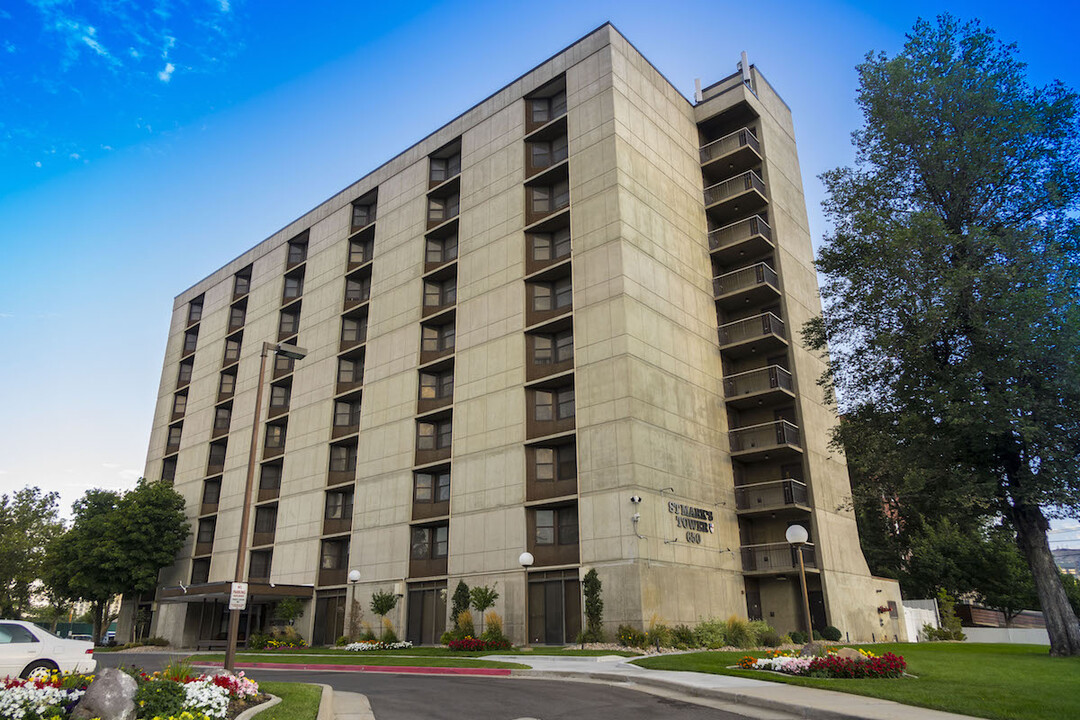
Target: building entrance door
[817, 609]
[329, 617]
[427, 613]
[554, 607]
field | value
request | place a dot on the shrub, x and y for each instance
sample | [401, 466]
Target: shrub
[160, 699]
[631, 636]
[368, 635]
[388, 634]
[475, 645]
[258, 641]
[594, 607]
[757, 629]
[770, 638]
[682, 636]
[798, 637]
[739, 633]
[461, 600]
[493, 629]
[817, 635]
[659, 634]
[178, 670]
[710, 634]
[832, 633]
[341, 641]
[465, 627]
[446, 637]
[289, 609]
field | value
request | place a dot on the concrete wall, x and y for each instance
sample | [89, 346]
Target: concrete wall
[1021, 636]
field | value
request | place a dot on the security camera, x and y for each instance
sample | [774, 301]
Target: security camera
[635, 517]
[635, 499]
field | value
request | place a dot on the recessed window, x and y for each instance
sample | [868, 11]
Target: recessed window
[441, 250]
[339, 505]
[294, 286]
[206, 530]
[168, 469]
[179, 406]
[434, 435]
[552, 295]
[266, 518]
[335, 554]
[545, 109]
[174, 436]
[354, 329]
[430, 543]
[232, 348]
[237, 315]
[200, 571]
[558, 526]
[183, 376]
[191, 337]
[195, 308]
[444, 168]
[211, 491]
[242, 282]
[550, 246]
[275, 435]
[297, 252]
[441, 209]
[363, 214]
[434, 386]
[283, 365]
[280, 394]
[289, 323]
[346, 413]
[270, 476]
[227, 384]
[359, 251]
[260, 563]
[547, 199]
[440, 292]
[555, 463]
[222, 417]
[554, 404]
[358, 289]
[554, 348]
[545, 154]
[217, 454]
[436, 338]
[342, 458]
[350, 370]
[431, 487]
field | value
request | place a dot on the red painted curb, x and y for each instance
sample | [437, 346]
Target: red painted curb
[498, 672]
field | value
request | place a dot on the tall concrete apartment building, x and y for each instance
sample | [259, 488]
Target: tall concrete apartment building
[565, 323]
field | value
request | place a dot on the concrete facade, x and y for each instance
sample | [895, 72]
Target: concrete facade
[582, 372]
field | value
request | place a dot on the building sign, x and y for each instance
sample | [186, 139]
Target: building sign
[694, 520]
[238, 596]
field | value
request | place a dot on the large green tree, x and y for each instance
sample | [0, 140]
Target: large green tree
[951, 282]
[117, 543]
[27, 521]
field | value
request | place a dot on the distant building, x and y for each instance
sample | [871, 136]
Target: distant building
[1067, 559]
[567, 322]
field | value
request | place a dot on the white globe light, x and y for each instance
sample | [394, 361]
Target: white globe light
[797, 535]
[525, 559]
[354, 576]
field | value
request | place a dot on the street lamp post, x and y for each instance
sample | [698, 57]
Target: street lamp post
[526, 560]
[293, 353]
[354, 577]
[797, 536]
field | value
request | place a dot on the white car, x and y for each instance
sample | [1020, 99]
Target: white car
[25, 648]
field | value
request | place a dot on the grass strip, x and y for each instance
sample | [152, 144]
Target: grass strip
[298, 701]
[990, 680]
[360, 659]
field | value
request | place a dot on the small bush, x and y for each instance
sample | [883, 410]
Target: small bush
[832, 633]
[770, 638]
[493, 627]
[682, 636]
[368, 635]
[342, 641]
[757, 628]
[465, 627]
[798, 637]
[631, 636]
[710, 634]
[739, 633]
[160, 699]
[817, 635]
[256, 641]
[388, 634]
[446, 637]
[659, 635]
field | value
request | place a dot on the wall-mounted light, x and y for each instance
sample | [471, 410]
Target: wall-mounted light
[635, 499]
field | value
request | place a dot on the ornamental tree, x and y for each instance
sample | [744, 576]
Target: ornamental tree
[951, 277]
[482, 597]
[27, 521]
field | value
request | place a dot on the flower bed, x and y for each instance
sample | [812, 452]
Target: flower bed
[830, 665]
[378, 645]
[476, 644]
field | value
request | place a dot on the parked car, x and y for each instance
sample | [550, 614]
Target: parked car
[26, 649]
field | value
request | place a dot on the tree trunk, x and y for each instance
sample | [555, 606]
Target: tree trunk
[98, 611]
[1061, 622]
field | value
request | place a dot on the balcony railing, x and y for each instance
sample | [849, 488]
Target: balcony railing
[745, 278]
[775, 493]
[763, 379]
[737, 185]
[729, 143]
[765, 435]
[777, 557]
[738, 232]
[751, 328]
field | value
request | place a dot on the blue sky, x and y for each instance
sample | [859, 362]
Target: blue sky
[145, 143]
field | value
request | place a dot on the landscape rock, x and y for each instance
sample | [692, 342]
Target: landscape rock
[849, 654]
[111, 696]
[812, 649]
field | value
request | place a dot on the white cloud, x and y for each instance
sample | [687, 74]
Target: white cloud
[9, 46]
[37, 164]
[74, 156]
[135, 54]
[166, 74]
[224, 5]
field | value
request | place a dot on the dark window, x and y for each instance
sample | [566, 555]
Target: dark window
[552, 295]
[237, 315]
[542, 110]
[183, 377]
[339, 504]
[551, 246]
[195, 308]
[433, 435]
[168, 469]
[232, 349]
[283, 364]
[174, 435]
[363, 214]
[350, 370]
[546, 199]
[431, 487]
[217, 454]
[554, 404]
[437, 337]
[555, 463]
[227, 386]
[441, 250]
[444, 168]
[265, 518]
[294, 286]
[342, 458]
[270, 476]
[354, 329]
[335, 555]
[430, 543]
[222, 417]
[557, 348]
[548, 153]
[359, 251]
[211, 491]
[191, 337]
[242, 282]
[200, 571]
[275, 435]
[436, 385]
[206, 530]
[279, 395]
[297, 252]
[442, 208]
[358, 289]
[440, 292]
[346, 413]
[290, 321]
[260, 563]
[179, 405]
[557, 526]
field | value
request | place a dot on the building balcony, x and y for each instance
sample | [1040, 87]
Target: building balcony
[775, 497]
[757, 388]
[777, 558]
[768, 441]
[741, 240]
[736, 197]
[734, 153]
[754, 285]
[757, 334]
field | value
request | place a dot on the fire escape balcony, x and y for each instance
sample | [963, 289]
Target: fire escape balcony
[759, 388]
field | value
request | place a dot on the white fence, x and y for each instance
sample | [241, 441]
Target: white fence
[1026, 636]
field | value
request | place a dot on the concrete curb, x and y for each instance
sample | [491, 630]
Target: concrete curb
[253, 711]
[326, 703]
[405, 669]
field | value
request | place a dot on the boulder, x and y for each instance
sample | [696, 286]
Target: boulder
[111, 696]
[849, 654]
[811, 649]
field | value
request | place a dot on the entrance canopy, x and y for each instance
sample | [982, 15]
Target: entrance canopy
[257, 592]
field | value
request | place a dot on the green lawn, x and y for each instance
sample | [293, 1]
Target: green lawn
[1005, 682]
[366, 658]
[298, 701]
